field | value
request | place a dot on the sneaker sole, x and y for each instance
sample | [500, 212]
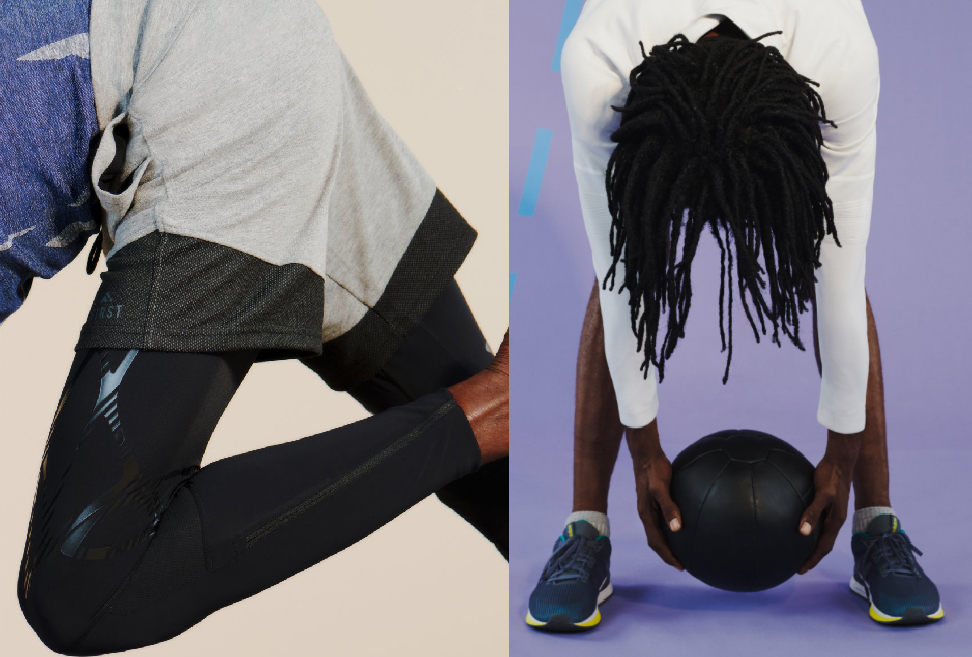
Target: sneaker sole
[912, 616]
[562, 622]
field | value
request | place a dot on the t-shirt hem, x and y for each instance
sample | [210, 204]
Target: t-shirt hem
[285, 344]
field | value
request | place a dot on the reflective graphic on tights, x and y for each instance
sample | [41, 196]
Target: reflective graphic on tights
[41, 540]
[107, 405]
[130, 488]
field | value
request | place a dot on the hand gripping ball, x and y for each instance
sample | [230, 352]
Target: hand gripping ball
[741, 494]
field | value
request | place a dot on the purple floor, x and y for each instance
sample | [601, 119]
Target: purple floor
[920, 238]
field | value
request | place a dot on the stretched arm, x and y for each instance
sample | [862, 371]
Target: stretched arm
[628, 397]
[851, 399]
[591, 87]
[861, 457]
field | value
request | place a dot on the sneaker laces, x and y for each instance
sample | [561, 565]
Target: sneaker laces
[894, 555]
[571, 561]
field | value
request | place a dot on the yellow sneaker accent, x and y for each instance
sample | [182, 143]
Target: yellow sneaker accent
[881, 618]
[530, 620]
[589, 622]
[592, 621]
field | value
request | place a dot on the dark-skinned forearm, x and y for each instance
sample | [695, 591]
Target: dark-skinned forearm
[645, 443]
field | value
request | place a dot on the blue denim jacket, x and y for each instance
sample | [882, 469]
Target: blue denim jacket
[47, 127]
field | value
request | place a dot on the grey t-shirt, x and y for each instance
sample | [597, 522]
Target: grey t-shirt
[241, 124]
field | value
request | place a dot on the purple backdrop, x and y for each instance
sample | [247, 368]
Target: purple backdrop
[917, 263]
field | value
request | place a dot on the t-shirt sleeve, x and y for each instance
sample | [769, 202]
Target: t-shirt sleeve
[591, 87]
[850, 98]
[47, 124]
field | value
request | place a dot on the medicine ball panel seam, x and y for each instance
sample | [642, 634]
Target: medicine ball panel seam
[705, 498]
[752, 483]
[796, 454]
[779, 548]
[699, 456]
[795, 492]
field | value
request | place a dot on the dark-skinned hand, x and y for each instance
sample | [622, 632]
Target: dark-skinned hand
[831, 481]
[653, 475]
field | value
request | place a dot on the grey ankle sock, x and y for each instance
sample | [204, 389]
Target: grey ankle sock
[863, 517]
[597, 519]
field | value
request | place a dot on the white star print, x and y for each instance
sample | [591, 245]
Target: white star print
[76, 45]
[12, 236]
[71, 233]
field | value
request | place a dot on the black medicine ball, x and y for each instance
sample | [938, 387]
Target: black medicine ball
[741, 494]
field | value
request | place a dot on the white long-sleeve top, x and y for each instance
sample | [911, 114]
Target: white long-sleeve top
[828, 41]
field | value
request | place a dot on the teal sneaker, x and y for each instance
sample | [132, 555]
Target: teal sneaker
[888, 576]
[575, 581]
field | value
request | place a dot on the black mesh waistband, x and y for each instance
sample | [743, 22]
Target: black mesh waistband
[168, 292]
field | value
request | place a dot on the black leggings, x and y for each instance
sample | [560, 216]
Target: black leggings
[131, 542]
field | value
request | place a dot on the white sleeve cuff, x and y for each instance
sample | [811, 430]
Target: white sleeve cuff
[638, 417]
[848, 423]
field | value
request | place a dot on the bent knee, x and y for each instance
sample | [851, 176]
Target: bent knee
[84, 606]
[58, 606]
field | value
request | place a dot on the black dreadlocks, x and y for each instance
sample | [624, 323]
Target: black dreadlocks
[721, 134]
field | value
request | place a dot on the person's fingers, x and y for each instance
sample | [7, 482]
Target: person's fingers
[822, 499]
[669, 510]
[657, 542]
[651, 519]
[828, 536]
[817, 512]
[832, 522]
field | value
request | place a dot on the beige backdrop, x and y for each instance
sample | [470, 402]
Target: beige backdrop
[426, 584]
